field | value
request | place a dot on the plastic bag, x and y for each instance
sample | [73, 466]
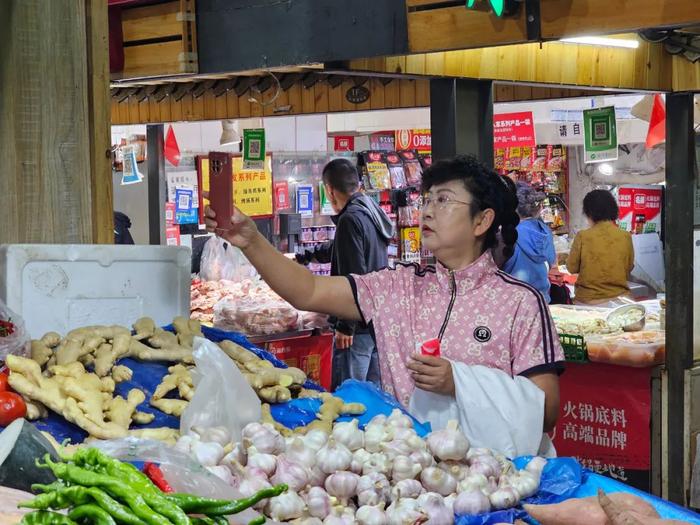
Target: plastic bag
[17, 342]
[222, 395]
[221, 261]
[181, 472]
[254, 316]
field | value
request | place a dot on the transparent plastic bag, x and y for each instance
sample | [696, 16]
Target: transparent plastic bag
[256, 316]
[221, 261]
[222, 396]
[17, 342]
[181, 472]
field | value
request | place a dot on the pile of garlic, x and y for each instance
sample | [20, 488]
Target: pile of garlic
[384, 475]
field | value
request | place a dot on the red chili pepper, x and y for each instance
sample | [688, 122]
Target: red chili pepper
[156, 476]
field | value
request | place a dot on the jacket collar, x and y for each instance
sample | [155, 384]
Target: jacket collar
[469, 278]
[354, 196]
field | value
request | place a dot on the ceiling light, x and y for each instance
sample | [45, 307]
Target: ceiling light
[229, 134]
[627, 43]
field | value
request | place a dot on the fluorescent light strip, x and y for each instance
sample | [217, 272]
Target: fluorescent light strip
[602, 41]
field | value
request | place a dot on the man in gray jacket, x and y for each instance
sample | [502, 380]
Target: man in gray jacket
[362, 237]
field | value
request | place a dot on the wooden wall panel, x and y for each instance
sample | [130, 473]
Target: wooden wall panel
[49, 136]
[648, 67]
[319, 98]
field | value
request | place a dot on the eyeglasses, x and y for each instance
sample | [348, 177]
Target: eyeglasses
[441, 201]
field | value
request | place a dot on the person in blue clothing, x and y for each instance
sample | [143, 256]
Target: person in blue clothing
[534, 250]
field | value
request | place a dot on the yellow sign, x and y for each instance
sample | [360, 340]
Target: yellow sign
[252, 189]
[205, 178]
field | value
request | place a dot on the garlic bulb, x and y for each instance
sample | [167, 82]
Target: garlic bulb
[458, 470]
[207, 454]
[471, 503]
[251, 484]
[404, 433]
[370, 515]
[341, 516]
[423, 458]
[434, 506]
[375, 435]
[290, 473]
[504, 498]
[373, 489]
[219, 435]
[408, 488]
[358, 460]
[264, 437]
[490, 487]
[349, 434]
[507, 466]
[486, 465]
[302, 454]
[473, 452]
[395, 448]
[405, 468]
[319, 503]
[379, 419]
[333, 456]
[399, 419]
[474, 481]
[405, 512]
[315, 439]
[437, 480]
[536, 466]
[377, 463]
[223, 474]
[524, 482]
[450, 502]
[185, 443]
[239, 453]
[265, 462]
[448, 443]
[287, 506]
[307, 521]
[317, 477]
[342, 485]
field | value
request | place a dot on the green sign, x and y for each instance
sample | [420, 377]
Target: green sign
[600, 135]
[326, 206]
[253, 149]
[498, 6]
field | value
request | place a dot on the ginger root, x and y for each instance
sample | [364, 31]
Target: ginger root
[146, 353]
[187, 330]
[167, 435]
[144, 328]
[35, 410]
[142, 418]
[178, 377]
[121, 410]
[174, 407]
[275, 394]
[121, 373]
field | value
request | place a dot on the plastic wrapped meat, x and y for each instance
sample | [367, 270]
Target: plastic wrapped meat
[252, 317]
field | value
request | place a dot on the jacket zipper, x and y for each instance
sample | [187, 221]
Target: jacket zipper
[453, 297]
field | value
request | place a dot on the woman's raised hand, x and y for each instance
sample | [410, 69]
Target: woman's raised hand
[242, 232]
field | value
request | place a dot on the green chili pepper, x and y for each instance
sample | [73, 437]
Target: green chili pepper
[46, 517]
[56, 485]
[58, 499]
[257, 521]
[112, 486]
[218, 507]
[203, 521]
[240, 505]
[118, 511]
[93, 514]
[95, 460]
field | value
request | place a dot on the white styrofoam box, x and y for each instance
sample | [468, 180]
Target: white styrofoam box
[62, 287]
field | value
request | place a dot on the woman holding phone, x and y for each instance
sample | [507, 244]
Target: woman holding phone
[486, 321]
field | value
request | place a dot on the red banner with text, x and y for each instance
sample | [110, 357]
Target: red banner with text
[604, 420]
[513, 130]
[415, 139]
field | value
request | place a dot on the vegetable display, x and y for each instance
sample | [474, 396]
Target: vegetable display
[95, 488]
[383, 475]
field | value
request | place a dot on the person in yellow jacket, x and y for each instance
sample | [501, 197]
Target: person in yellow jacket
[602, 255]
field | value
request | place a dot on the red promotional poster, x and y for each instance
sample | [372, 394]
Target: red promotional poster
[343, 143]
[604, 419]
[415, 139]
[511, 130]
[640, 208]
[312, 354]
[282, 195]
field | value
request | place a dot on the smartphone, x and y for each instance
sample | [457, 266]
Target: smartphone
[221, 188]
[430, 347]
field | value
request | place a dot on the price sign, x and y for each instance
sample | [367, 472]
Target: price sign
[252, 188]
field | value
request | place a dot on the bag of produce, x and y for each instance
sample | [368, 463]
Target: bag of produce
[222, 397]
[14, 338]
[252, 316]
[221, 261]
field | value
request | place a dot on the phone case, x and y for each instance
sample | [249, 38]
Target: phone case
[221, 188]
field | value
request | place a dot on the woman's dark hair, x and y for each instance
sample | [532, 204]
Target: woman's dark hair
[600, 205]
[342, 176]
[488, 190]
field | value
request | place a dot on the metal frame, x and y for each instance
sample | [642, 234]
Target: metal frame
[157, 186]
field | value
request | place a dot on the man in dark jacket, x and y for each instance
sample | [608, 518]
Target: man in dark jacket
[362, 236]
